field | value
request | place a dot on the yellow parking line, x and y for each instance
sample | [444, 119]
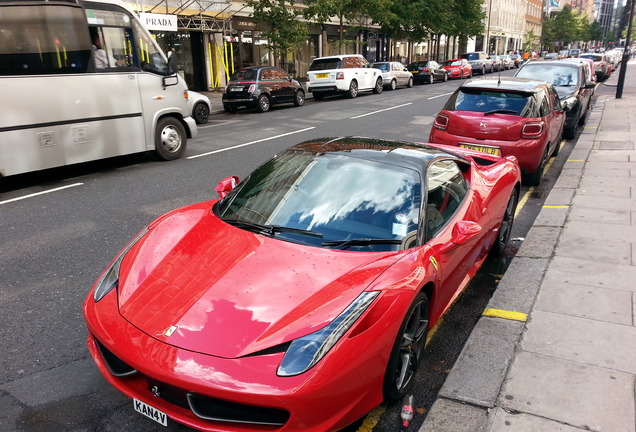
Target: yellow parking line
[372, 419]
[523, 200]
[556, 206]
[509, 315]
[576, 160]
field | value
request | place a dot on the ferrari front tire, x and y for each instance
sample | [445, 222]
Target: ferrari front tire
[407, 351]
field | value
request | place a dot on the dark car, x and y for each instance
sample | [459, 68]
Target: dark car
[504, 116]
[570, 82]
[427, 72]
[261, 87]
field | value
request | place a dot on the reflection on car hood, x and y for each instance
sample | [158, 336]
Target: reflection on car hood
[200, 284]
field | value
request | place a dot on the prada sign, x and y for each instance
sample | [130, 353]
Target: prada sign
[163, 22]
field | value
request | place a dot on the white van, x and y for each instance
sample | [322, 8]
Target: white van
[84, 80]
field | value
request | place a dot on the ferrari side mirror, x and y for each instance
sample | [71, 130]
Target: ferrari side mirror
[226, 185]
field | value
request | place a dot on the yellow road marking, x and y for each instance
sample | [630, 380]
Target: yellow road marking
[509, 315]
[556, 206]
[372, 419]
[576, 160]
[523, 200]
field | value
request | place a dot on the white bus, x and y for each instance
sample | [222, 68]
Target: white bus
[81, 81]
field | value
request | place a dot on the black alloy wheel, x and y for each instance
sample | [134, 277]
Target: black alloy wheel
[407, 351]
[201, 113]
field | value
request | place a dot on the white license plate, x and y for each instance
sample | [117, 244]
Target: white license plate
[150, 412]
[233, 89]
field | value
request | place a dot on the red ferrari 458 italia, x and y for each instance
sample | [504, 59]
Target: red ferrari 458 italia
[300, 299]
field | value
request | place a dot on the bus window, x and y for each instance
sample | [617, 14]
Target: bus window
[112, 47]
[152, 60]
[29, 48]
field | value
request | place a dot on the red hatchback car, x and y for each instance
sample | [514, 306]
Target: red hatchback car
[504, 116]
[458, 68]
[302, 298]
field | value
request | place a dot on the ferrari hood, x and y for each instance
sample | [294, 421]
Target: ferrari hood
[200, 284]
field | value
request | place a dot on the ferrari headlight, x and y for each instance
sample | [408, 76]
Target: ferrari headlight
[305, 352]
[110, 278]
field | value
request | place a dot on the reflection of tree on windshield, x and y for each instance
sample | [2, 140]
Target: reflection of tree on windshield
[557, 76]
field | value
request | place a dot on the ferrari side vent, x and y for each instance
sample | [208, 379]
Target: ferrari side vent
[115, 365]
[224, 411]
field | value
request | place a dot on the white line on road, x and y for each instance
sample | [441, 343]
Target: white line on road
[379, 111]
[439, 96]
[249, 143]
[40, 193]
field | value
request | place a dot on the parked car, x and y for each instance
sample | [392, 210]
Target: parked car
[574, 53]
[343, 74]
[570, 82]
[552, 56]
[302, 298]
[394, 74]
[458, 68]
[200, 106]
[497, 62]
[588, 67]
[261, 87]
[427, 72]
[602, 68]
[563, 54]
[504, 116]
[507, 61]
[480, 62]
[517, 59]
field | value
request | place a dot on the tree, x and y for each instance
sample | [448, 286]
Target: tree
[353, 13]
[563, 29]
[281, 25]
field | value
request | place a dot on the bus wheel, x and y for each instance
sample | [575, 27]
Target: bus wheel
[170, 138]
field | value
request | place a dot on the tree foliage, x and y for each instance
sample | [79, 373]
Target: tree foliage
[281, 25]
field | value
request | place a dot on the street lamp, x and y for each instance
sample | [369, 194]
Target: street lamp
[623, 71]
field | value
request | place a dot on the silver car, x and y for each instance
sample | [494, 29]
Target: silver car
[394, 74]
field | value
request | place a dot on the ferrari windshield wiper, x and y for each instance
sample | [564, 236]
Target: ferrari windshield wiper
[500, 111]
[360, 242]
[269, 229]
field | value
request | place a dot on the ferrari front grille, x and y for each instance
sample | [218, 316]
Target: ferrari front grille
[220, 410]
[115, 365]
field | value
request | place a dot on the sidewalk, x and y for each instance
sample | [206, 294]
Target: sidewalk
[556, 348]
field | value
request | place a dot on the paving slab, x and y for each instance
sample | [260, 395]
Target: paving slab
[539, 242]
[602, 304]
[579, 395]
[582, 340]
[607, 216]
[519, 286]
[552, 216]
[480, 369]
[451, 416]
[603, 202]
[502, 421]
[625, 142]
[575, 245]
[605, 191]
[560, 196]
[591, 272]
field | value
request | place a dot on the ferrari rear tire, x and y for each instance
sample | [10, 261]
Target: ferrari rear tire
[407, 351]
[505, 229]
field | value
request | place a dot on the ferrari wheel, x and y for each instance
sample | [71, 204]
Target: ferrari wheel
[505, 229]
[406, 354]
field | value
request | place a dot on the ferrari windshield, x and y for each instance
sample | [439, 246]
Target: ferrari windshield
[352, 203]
